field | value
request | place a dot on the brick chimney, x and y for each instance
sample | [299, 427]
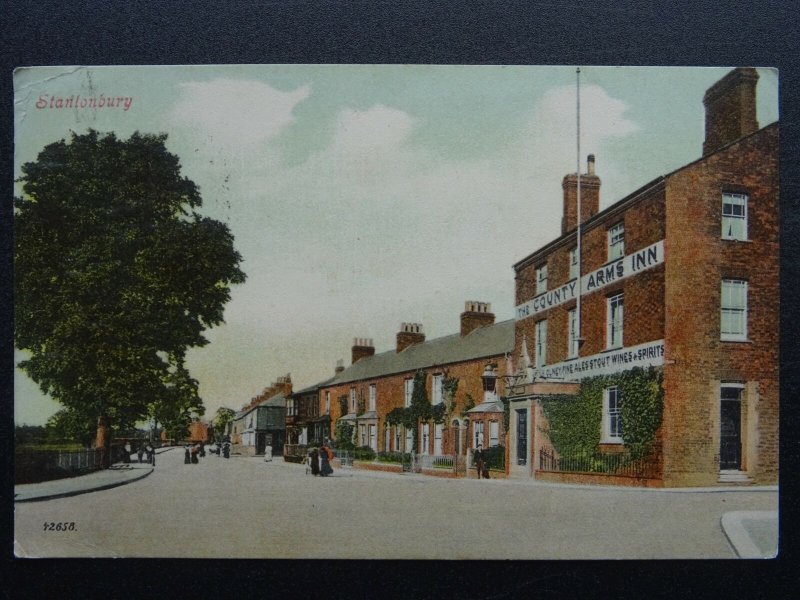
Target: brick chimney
[283, 385]
[409, 334]
[339, 366]
[590, 196]
[730, 109]
[362, 347]
[476, 314]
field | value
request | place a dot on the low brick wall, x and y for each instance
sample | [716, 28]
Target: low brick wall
[446, 473]
[368, 465]
[597, 478]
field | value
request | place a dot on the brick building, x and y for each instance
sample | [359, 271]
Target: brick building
[306, 425]
[262, 422]
[374, 385]
[679, 278]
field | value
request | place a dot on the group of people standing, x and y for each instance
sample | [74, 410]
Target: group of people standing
[319, 461]
[194, 452]
[142, 450]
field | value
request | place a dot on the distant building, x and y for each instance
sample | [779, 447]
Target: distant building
[262, 422]
[682, 276]
[305, 424]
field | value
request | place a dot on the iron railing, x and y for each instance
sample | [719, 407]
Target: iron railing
[32, 466]
[622, 463]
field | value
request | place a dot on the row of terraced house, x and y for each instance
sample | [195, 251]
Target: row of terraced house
[643, 351]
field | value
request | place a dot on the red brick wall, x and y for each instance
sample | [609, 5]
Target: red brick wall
[697, 261]
[644, 310]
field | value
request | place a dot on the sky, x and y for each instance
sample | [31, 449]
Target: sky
[364, 196]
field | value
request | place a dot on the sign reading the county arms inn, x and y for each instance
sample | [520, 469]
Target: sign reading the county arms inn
[621, 268]
[649, 354]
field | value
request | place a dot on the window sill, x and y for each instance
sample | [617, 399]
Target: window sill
[736, 240]
[612, 349]
[611, 441]
[736, 340]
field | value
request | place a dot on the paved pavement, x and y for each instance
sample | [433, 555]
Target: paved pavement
[246, 507]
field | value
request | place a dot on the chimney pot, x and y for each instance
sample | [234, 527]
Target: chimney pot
[362, 347]
[476, 314]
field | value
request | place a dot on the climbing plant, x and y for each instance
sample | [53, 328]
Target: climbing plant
[344, 435]
[575, 421]
[420, 409]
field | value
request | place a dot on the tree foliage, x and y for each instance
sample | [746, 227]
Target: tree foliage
[116, 275]
[223, 417]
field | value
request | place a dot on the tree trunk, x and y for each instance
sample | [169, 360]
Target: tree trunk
[103, 441]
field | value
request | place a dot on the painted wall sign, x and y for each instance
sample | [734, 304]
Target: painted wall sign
[649, 354]
[622, 268]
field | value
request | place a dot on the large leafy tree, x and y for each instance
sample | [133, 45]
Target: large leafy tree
[116, 275]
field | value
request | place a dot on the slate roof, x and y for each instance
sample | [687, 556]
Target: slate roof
[483, 342]
[276, 400]
[314, 387]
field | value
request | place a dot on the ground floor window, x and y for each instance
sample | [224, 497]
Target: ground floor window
[478, 431]
[409, 440]
[612, 418]
[437, 439]
[373, 437]
[494, 433]
[397, 439]
[426, 432]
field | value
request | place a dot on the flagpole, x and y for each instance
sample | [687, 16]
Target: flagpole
[578, 171]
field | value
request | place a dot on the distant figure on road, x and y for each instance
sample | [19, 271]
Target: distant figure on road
[195, 450]
[187, 459]
[313, 461]
[140, 453]
[325, 457]
[151, 454]
[202, 450]
[127, 452]
[226, 450]
[480, 464]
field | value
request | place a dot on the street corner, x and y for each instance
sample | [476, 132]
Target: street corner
[752, 533]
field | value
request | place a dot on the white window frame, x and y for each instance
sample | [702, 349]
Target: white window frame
[573, 263]
[409, 444]
[494, 434]
[424, 438]
[408, 391]
[436, 389]
[327, 403]
[615, 320]
[353, 402]
[612, 416]
[616, 241]
[477, 433]
[437, 439]
[731, 307]
[372, 436]
[541, 279]
[572, 333]
[398, 439]
[734, 216]
[541, 343]
[372, 397]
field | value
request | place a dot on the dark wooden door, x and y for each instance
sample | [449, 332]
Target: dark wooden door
[522, 437]
[730, 445]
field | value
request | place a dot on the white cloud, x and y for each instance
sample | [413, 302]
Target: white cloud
[234, 112]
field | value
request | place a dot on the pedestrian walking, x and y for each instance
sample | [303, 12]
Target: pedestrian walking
[140, 453]
[151, 454]
[202, 450]
[480, 463]
[313, 461]
[325, 458]
[195, 450]
[226, 450]
[127, 452]
[187, 459]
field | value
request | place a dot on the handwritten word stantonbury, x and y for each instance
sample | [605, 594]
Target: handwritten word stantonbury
[46, 101]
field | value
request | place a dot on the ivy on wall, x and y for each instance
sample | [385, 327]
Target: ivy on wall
[575, 421]
[344, 435]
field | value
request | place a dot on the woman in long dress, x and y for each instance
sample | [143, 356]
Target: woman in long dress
[324, 458]
[314, 459]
